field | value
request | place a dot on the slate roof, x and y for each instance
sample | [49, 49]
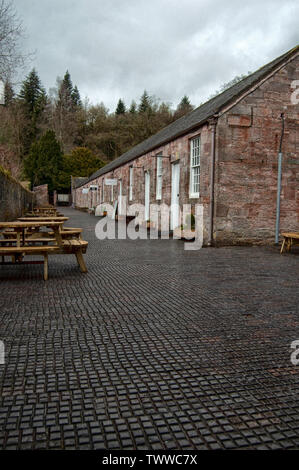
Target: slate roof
[78, 181]
[195, 118]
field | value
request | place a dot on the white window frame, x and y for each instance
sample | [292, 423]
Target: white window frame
[131, 179]
[159, 176]
[194, 167]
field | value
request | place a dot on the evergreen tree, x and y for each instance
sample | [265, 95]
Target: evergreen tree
[185, 102]
[8, 93]
[30, 164]
[80, 162]
[133, 107]
[184, 107]
[68, 96]
[145, 103]
[33, 100]
[44, 162]
[68, 113]
[121, 108]
[65, 93]
[33, 95]
[76, 97]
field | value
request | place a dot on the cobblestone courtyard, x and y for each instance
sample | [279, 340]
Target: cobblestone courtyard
[154, 348]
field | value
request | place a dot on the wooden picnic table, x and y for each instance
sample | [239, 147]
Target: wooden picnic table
[20, 228]
[54, 245]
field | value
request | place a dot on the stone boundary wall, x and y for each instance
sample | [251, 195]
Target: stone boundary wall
[14, 198]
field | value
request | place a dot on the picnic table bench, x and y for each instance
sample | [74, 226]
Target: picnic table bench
[44, 211]
[33, 234]
[289, 239]
[56, 218]
[42, 214]
[21, 243]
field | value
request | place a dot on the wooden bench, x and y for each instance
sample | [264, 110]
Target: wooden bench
[70, 233]
[17, 254]
[27, 241]
[65, 234]
[75, 245]
[49, 218]
[289, 239]
[78, 248]
[43, 214]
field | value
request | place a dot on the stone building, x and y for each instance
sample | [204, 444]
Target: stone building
[223, 155]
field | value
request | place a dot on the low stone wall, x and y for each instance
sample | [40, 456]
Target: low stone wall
[14, 198]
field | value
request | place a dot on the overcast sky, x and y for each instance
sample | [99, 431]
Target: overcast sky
[117, 48]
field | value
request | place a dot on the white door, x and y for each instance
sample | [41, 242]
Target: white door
[147, 196]
[120, 198]
[175, 196]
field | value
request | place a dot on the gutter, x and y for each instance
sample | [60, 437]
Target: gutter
[213, 124]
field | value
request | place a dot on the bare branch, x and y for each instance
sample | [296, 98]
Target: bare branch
[12, 56]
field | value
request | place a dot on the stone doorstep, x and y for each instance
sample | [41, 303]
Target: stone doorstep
[184, 234]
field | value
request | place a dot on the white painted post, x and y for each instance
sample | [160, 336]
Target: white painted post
[2, 92]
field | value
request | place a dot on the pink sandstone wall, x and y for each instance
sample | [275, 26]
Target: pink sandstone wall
[248, 144]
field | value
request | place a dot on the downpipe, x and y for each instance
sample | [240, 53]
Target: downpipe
[213, 123]
[279, 172]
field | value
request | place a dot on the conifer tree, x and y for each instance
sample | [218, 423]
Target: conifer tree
[33, 95]
[33, 99]
[76, 97]
[183, 107]
[65, 93]
[67, 107]
[145, 104]
[44, 162]
[8, 93]
[121, 108]
[133, 107]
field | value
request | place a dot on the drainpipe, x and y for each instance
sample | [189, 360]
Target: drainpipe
[213, 123]
[279, 182]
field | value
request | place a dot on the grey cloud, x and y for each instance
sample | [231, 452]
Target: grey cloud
[117, 49]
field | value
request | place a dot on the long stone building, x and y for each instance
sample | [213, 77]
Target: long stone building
[223, 155]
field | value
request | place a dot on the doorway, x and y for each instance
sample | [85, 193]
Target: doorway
[147, 196]
[175, 196]
[120, 198]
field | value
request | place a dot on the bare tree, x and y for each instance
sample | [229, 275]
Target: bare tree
[11, 33]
